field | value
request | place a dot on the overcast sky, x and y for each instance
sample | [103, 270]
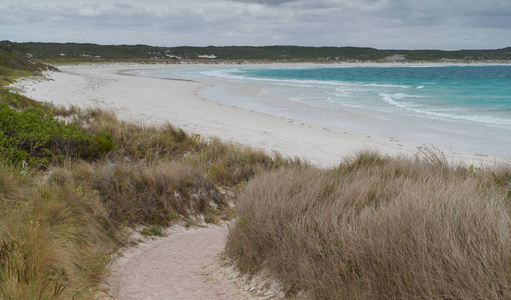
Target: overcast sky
[383, 24]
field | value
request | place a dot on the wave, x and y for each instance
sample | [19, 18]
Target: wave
[391, 99]
[386, 85]
[238, 74]
[419, 109]
[488, 120]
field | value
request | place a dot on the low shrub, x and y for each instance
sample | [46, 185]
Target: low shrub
[34, 136]
[101, 144]
[19, 101]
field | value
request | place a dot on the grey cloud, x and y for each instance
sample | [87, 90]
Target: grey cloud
[270, 2]
[409, 24]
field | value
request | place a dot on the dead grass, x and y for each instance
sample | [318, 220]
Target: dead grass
[141, 193]
[55, 241]
[224, 163]
[379, 228]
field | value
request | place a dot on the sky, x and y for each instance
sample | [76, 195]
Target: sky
[382, 24]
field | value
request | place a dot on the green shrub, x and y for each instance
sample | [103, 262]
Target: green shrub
[102, 143]
[34, 136]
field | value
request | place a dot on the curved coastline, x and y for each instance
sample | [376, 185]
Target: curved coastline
[181, 103]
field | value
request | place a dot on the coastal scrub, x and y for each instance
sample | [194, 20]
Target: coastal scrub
[36, 138]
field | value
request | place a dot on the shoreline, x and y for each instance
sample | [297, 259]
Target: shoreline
[150, 100]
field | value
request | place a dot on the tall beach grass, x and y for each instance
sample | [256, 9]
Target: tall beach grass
[377, 227]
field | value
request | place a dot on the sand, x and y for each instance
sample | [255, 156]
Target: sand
[185, 265]
[156, 101]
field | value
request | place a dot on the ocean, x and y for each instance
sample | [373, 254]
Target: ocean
[464, 108]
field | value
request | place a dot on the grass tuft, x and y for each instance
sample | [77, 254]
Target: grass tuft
[54, 240]
[379, 228]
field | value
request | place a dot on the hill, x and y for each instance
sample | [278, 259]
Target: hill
[13, 66]
[74, 51]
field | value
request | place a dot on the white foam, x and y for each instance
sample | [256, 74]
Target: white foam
[488, 120]
[389, 98]
[386, 85]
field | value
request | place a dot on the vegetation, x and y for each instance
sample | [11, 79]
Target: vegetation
[70, 52]
[377, 227]
[36, 138]
[73, 209]
[55, 240]
[90, 180]
[13, 66]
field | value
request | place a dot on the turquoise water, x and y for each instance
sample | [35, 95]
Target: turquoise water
[468, 105]
[478, 94]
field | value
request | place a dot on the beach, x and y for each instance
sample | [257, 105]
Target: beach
[187, 263]
[181, 103]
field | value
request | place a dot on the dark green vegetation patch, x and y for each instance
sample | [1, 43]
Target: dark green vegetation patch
[35, 137]
[74, 51]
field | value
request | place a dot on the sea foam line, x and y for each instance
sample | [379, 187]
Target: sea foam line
[487, 120]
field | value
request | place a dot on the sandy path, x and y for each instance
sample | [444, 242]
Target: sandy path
[181, 266]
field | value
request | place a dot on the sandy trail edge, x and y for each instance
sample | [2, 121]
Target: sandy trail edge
[181, 266]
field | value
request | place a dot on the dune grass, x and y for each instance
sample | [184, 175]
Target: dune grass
[226, 164]
[89, 177]
[374, 227]
[379, 228]
[55, 240]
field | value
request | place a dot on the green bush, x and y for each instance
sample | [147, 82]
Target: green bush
[34, 136]
[102, 143]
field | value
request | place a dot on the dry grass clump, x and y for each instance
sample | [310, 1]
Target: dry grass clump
[115, 138]
[145, 193]
[134, 140]
[224, 163]
[379, 228]
[231, 164]
[54, 240]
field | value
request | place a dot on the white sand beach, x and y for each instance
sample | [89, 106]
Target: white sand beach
[157, 101]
